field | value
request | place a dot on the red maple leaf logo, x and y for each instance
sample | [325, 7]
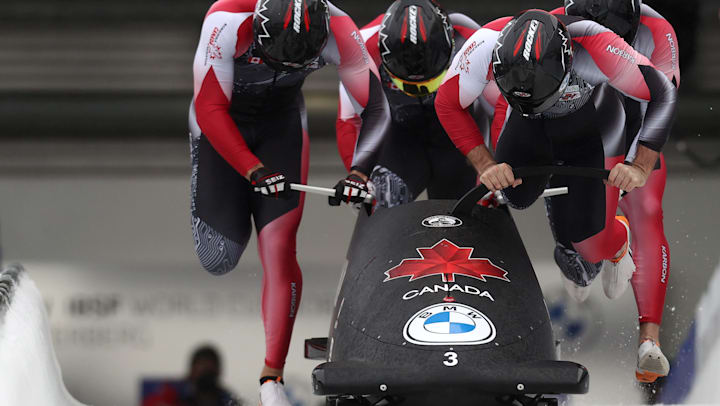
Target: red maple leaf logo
[447, 260]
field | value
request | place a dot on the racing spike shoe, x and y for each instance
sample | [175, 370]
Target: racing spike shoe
[652, 363]
[272, 392]
[577, 273]
[616, 273]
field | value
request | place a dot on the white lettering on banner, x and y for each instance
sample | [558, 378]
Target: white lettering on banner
[412, 16]
[534, 24]
[297, 15]
[467, 289]
[621, 53]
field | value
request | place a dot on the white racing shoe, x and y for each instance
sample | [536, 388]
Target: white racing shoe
[616, 273]
[272, 393]
[652, 363]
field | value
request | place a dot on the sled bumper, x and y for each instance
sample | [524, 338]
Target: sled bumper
[363, 379]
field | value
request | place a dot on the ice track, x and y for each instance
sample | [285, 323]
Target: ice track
[29, 371]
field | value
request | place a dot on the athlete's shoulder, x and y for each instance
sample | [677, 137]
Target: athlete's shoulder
[497, 24]
[233, 6]
[474, 57]
[369, 34]
[484, 36]
[655, 21]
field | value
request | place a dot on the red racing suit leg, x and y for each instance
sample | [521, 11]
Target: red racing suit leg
[282, 278]
[651, 252]
[606, 243]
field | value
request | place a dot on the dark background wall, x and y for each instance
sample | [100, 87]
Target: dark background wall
[123, 69]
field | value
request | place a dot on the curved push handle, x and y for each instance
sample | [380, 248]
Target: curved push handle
[466, 203]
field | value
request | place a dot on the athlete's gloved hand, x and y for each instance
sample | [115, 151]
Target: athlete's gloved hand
[270, 183]
[627, 177]
[498, 177]
[352, 189]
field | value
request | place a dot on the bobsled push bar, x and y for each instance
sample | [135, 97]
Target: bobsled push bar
[538, 377]
[469, 201]
[322, 191]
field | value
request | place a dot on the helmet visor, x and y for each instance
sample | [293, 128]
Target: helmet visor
[418, 89]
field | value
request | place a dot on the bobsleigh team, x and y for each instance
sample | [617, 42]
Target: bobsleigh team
[431, 100]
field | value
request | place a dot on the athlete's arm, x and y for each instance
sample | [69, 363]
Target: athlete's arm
[347, 128]
[657, 40]
[666, 50]
[465, 81]
[349, 122]
[360, 78]
[606, 57]
[226, 33]
[500, 115]
[602, 56]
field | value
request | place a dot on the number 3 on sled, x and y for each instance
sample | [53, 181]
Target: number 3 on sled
[451, 359]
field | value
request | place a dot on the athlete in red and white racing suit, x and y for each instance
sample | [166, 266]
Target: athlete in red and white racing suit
[247, 116]
[571, 131]
[656, 40]
[417, 153]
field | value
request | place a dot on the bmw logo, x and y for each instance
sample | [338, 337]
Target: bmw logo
[449, 324]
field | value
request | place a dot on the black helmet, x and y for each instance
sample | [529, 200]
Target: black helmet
[290, 34]
[621, 16]
[532, 61]
[416, 45]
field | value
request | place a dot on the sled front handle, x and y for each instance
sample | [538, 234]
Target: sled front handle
[322, 191]
[466, 203]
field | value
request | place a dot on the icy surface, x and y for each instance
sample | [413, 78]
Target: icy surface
[29, 371]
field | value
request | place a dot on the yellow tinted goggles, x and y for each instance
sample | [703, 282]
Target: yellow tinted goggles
[419, 89]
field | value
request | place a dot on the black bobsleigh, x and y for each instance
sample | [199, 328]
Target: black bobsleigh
[439, 305]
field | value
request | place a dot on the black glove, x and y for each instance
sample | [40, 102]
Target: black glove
[270, 183]
[349, 190]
